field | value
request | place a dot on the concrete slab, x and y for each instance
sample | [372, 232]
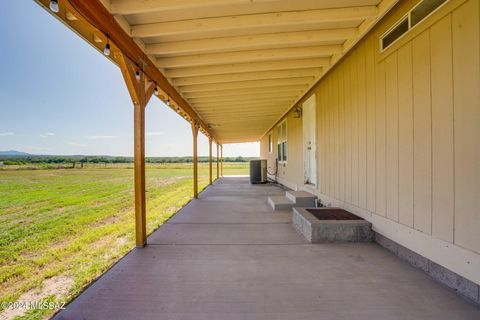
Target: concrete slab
[244, 276]
[226, 233]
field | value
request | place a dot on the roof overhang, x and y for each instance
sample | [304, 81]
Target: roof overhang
[236, 66]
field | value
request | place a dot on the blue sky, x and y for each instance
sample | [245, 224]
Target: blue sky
[60, 96]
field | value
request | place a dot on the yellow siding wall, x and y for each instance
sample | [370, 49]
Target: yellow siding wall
[398, 135]
[290, 173]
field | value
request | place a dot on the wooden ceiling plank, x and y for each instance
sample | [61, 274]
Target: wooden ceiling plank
[287, 64]
[278, 74]
[260, 41]
[253, 97]
[278, 105]
[252, 21]
[222, 7]
[247, 84]
[245, 91]
[248, 56]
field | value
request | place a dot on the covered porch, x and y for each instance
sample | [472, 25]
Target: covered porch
[228, 255]
[371, 105]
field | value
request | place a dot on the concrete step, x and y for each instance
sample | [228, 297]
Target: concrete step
[301, 198]
[280, 203]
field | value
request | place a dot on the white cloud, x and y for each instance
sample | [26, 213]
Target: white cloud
[47, 134]
[101, 137]
[75, 144]
[5, 134]
[150, 134]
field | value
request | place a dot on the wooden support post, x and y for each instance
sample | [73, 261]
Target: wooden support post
[195, 159]
[210, 158]
[218, 160]
[140, 91]
[221, 160]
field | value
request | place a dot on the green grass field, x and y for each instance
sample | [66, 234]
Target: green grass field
[60, 229]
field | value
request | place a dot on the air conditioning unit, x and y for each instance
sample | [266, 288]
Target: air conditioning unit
[258, 171]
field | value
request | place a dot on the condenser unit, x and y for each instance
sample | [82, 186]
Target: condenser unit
[258, 171]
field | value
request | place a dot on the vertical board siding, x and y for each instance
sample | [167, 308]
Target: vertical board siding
[336, 136]
[399, 131]
[362, 130]
[391, 115]
[380, 180]
[442, 129]
[328, 137]
[466, 87]
[348, 132]
[341, 117]
[422, 137]
[354, 121]
[405, 135]
[370, 96]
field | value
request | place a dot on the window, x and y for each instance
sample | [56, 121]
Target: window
[270, 142]
[422, 10]
[396, 32]
[282, 141]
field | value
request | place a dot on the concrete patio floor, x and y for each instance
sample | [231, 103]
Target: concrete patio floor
[229, 256]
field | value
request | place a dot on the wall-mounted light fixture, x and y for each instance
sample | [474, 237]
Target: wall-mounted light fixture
[297, 112]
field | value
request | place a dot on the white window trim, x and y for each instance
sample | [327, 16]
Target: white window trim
[280, 140]
[270, 142]
[410, 28]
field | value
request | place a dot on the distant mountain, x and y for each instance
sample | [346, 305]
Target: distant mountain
[14, 153]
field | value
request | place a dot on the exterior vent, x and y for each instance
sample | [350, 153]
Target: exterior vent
[420, 12]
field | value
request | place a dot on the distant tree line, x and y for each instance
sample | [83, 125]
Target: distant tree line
[22, 160]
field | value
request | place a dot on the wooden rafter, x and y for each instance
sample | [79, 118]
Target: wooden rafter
[249, 84]
[252, 22]
[248, 56]
[189, 8]
[245, 76]
[261, 41]
[288, 64]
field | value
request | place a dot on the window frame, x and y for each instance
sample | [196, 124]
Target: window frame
[270, 142]
[408, 17]
[282, 142]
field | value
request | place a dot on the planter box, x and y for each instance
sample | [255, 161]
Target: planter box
[319, 225]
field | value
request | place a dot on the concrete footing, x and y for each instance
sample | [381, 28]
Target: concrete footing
[462, 286]
[318, 231]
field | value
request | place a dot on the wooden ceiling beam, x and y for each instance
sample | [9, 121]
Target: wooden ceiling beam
[94, 16]
[252, 21]
[260, 41]
[125, 7]
[240, 105]
[245, 76]
[225, 115]
[245, 91]
[248, 56]
[247, 84]
[249, 98]
[245, 108]
[288, 64]
[221, 7]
